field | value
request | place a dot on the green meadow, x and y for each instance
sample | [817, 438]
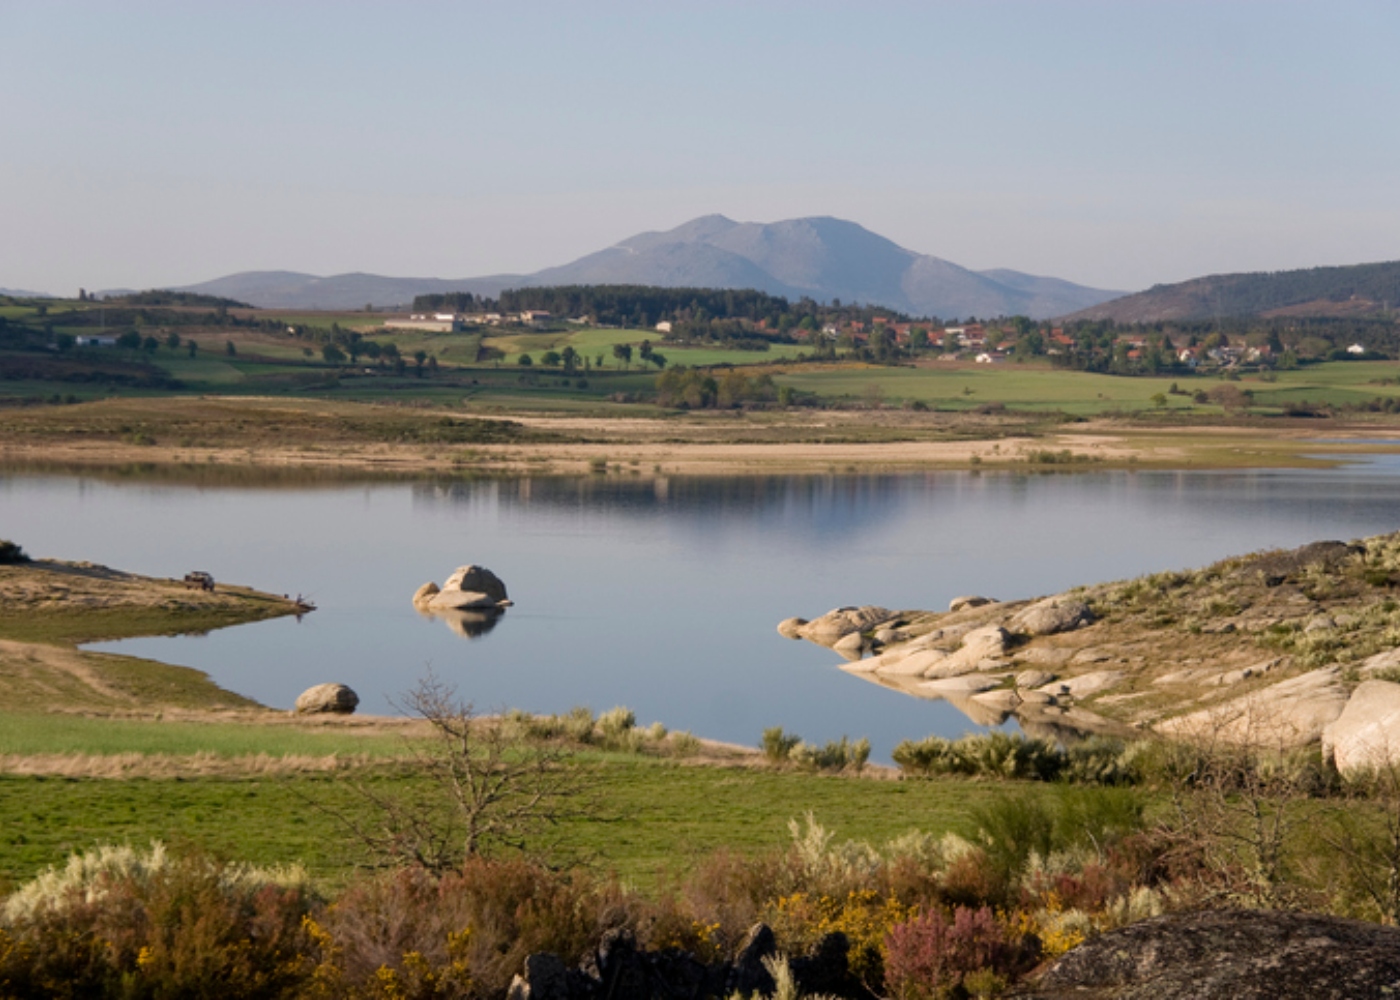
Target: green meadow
[649, 816]
[1036, 387]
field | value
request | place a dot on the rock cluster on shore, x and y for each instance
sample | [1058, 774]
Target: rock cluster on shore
[1284, 648]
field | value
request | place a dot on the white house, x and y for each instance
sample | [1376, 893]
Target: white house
[1356, 349]
[664, 326]
[95, 341]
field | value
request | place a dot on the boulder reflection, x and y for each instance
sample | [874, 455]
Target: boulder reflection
[469, 624]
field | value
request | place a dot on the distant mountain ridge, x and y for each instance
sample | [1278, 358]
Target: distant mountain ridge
[820, 257]
[1354, 290]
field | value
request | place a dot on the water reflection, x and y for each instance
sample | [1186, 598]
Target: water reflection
[469, 624]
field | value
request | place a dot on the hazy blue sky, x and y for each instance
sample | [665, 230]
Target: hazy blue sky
[1115, 144]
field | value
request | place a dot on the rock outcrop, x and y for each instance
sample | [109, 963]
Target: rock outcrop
[840, 622]
[1291, 713]
[1265, 649]
[1052, 616]
[1231, 955]
[334, 698]
[1366, 736]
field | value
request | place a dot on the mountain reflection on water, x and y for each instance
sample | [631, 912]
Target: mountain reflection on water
[658, 593]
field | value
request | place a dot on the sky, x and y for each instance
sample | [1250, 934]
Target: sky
[1115, 144]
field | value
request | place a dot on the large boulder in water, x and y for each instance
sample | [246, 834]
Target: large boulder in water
[334, 698]
[477, 579]
[1231, 955]
[470, 588]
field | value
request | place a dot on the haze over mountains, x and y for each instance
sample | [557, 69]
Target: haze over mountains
[821, 257]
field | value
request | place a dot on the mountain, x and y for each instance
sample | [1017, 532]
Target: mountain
[292, 290]
[822, 257]
[21, 294]
[1355, 290]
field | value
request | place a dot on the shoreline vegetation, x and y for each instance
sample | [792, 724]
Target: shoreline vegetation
[170, 434]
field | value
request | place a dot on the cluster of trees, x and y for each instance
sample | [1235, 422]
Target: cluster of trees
[462, 302]
[163, 297]
[692, 389]
[643, 305]
[733, 317]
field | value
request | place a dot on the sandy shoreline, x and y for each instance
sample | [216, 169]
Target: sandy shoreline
[632, 452]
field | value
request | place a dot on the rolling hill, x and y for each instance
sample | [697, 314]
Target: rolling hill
[1356, 290]
[822, 257]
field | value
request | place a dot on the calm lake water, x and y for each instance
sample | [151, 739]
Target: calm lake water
[661, 595]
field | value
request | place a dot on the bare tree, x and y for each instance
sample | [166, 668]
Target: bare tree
[473, 786]
[1240, 803]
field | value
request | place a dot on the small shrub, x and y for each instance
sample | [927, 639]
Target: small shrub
[836, 755]
[683, 744]
[778, 745]
[1013, 829]
[616, 721]
[187, 927]
[11, 554]
[931, 956]
[410, 923]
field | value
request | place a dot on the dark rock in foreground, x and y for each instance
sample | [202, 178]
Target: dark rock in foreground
[1232, 955]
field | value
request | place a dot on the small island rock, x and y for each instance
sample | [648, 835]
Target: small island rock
[469, 588]
[336, 698]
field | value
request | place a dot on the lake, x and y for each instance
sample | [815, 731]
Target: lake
[659, 594]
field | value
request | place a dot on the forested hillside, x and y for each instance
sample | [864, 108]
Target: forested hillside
[1356, 290]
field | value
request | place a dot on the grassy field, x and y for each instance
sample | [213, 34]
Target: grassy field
[960, 385]
[28, 733]
[652, 816]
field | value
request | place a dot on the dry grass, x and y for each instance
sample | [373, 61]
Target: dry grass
[167, 766]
